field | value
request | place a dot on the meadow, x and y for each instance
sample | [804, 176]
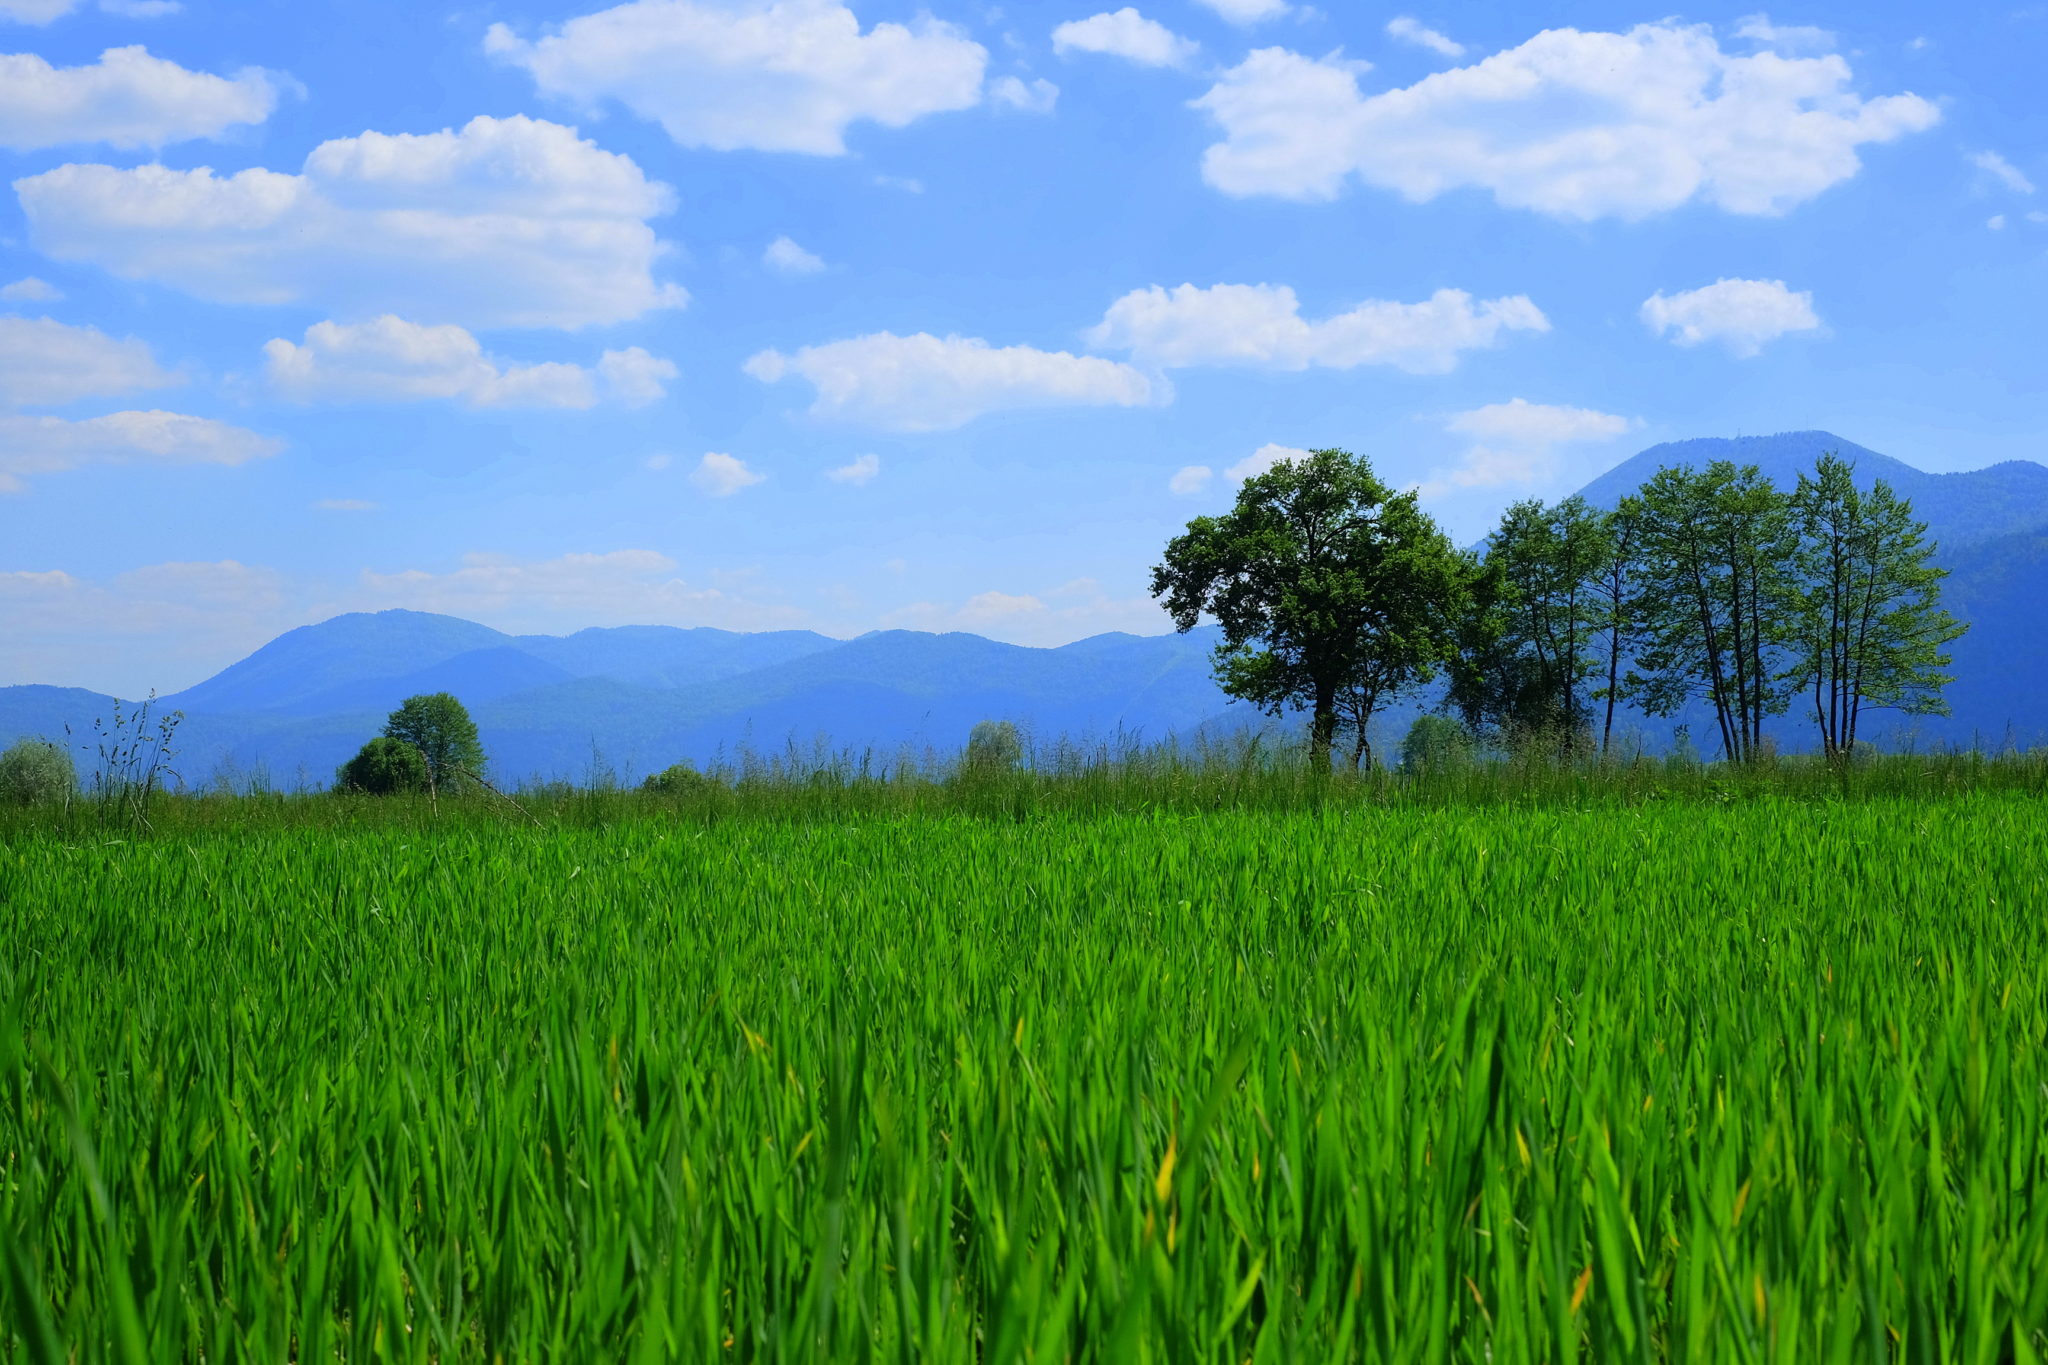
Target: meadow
[1664, 1065]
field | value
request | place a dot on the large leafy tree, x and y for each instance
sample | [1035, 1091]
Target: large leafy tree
[1530, 641]
[1332, 590]
[1715, 598]
[438, 725]
[1615, 590]
[1871, 630]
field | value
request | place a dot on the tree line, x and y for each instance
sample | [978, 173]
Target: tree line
[1337, 595]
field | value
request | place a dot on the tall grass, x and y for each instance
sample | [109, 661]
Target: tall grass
[1701, 1069]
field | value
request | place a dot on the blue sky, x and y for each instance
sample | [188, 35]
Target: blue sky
[773, 313]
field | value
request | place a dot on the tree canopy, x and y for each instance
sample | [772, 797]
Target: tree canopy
[1334, 593]
[439, 727]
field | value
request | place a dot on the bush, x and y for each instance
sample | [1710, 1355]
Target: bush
[384, 767]
[1436, 744]
[676, 780]
[993, 746]
[35, 770]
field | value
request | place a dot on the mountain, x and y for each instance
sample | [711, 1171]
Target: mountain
[637, 698]
[1960, 509]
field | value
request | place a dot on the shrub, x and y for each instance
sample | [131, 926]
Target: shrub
[676, 780]
[384, 767]
[35, 770]
[1436, 744]
[993, 746]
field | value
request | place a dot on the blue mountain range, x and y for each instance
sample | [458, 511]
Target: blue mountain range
[634, 699]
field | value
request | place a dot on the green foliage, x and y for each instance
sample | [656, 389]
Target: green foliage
[994, 746]
[1334, 593]
[439, 727]
[678, 779]
[1739, 1077]
[1716, 591]
[1436, 744]
[384, 767]
[34, 771]
[1870, 629]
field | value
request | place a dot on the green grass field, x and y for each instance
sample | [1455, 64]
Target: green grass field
[1713, 1073]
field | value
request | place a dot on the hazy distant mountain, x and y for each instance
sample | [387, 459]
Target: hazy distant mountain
[1961, 509]
[637, 698]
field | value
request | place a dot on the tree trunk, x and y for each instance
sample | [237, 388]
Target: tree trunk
[1322, 734]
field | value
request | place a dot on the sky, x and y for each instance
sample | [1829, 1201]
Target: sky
[766, 314]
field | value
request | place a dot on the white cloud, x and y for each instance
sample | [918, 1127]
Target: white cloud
[1261, 325]
[389, 359]
[1262, 460]
[762, 75]
[1047, 616]
[44, 363]
[787, 257]
[506, 222]
[862, 470]
[928, 383]
[568, 592]
[1516, 444]
[721, 476]
[127, 99]
[344, 505]
[35, 11]
[49, 445]
[1032, 97]
[160, 625]
[1794, 37]
[1741, 314]
[635, 378]
[2011, 176]
[1409, 30]
[1189, 480]
[1249, 11]
[1127, 34]
[31, 290]
[1996, 222]
[908, 184]
[1577, 125]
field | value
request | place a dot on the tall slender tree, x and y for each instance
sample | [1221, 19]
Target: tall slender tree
[1327, 584]
[1871, 630]
[1615, 590]
[1717, 591]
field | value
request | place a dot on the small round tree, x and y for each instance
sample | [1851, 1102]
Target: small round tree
[35, 770]
[678, 779]
[438, 726]
[384, 767]
[1435, 744]
[993, 746]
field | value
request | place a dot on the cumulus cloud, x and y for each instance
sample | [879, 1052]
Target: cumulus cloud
[1030, 97]
[1576, 125]
[1249, 11]
[1758, 28]
[1124, 33]
[1189, 480]
[786, 257]
[30, 290]
[720, 476]
[1261, 325]
[127, 99]
[1045, 616]
[1410, 30]
[860, 471]
[928, 383]
[2007, 174]
[761, 75]
[49, 445]
[1743, 315]
[1516, 444]
[1262, 460]
[44, 363]
[390, 360]
[505, 222]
